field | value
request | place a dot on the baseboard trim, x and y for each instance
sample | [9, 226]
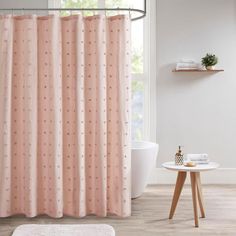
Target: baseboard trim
[218, 176]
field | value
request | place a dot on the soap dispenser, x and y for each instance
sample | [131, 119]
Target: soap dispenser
[179, 157]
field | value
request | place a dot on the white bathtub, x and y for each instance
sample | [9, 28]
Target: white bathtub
[143, 160]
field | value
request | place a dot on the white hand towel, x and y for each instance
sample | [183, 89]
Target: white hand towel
[187, 66]
[202, 162]
[197, 157]
[187, 61]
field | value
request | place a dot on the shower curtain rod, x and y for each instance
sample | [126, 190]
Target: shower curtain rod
[143, 12]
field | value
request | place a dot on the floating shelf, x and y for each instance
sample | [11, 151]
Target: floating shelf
[195, 70]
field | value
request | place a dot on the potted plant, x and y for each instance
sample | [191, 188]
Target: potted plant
[209, 61]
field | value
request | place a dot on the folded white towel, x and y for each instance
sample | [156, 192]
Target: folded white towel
[197, 157]
[187, 61]
[202, 162]
[187, 66]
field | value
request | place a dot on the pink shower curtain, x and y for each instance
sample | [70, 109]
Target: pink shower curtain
[64, 115]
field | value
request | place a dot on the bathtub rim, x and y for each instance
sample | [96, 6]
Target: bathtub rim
[143, 145]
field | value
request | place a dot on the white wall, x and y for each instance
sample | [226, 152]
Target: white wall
[23, 3]
[196, 110]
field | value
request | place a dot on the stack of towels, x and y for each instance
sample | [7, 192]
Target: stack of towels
[188, 65]
[198, 158]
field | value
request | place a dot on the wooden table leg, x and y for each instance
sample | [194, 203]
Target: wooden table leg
[194, 196]
[199, 193]
[178, 188]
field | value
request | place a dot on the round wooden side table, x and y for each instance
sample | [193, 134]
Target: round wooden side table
[195, 184]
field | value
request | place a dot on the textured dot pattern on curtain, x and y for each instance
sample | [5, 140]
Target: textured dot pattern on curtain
[64, 115]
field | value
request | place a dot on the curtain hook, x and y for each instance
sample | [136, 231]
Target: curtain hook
[129, 14]
[12, 11]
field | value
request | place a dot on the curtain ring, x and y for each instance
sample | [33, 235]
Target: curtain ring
[12, 12]
[129, 14]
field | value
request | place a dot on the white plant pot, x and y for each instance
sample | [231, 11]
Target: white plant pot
[210, 67]
[143, 160]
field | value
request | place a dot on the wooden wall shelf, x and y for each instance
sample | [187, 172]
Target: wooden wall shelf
[195, 70]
